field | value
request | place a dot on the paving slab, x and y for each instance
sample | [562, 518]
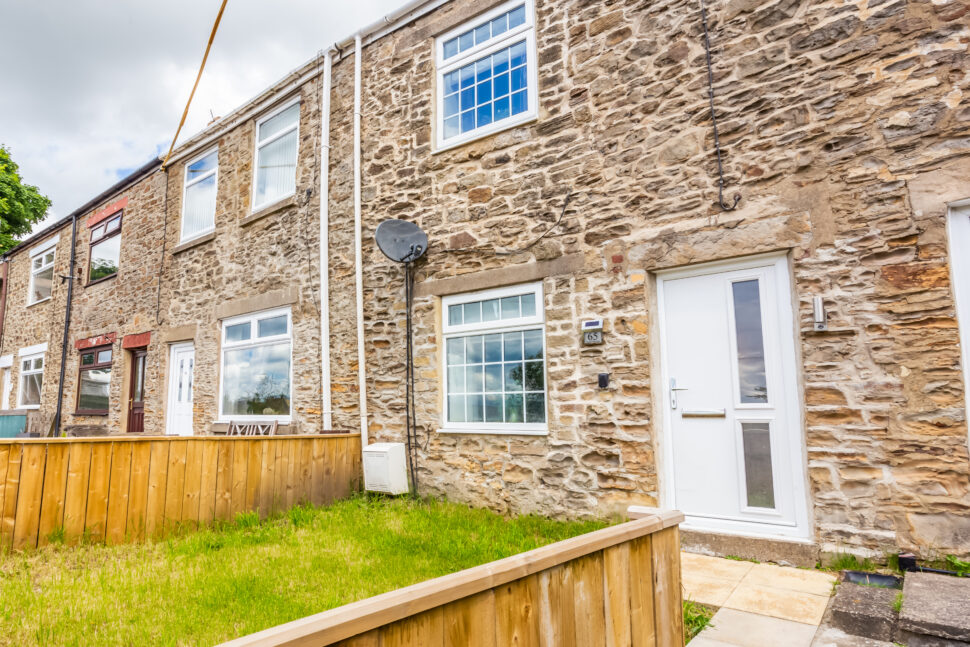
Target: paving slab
[778, 603]
[743, 629]
[936, 607]
[794, 579]
[707, 590]
[864, 611]
[725, 569]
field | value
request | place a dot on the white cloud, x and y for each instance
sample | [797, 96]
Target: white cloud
[95, 88]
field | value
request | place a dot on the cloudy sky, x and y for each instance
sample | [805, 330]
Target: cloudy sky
[93, 89]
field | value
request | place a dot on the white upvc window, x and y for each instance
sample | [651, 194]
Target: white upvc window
[486, 75]
[277, 142]
[31, 380]
[494, 361]
[256, 376]
[199, 196]
[42, 272]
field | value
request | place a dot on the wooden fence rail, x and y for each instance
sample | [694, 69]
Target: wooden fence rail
[125, 489]
[617, 587]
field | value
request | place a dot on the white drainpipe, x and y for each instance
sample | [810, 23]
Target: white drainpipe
[358, 252]
[327, 403]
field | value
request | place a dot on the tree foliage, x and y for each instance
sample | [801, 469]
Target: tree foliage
[21, 205]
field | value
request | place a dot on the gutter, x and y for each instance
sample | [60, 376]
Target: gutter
[299, 75]
[122, 184]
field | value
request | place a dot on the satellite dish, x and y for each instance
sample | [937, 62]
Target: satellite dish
[401, 241]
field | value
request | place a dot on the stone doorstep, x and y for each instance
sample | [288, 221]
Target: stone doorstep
[865, 611]
[936, 610]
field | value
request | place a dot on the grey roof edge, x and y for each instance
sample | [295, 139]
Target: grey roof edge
[117, 187]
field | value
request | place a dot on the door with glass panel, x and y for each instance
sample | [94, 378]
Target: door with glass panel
[733, 431]
[181, 369]
[136, 391]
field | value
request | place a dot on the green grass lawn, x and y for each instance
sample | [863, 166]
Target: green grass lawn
[212, 585]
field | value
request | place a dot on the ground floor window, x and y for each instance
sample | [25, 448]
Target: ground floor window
[256, 366]
[494, 360]
[31, 381]
[94, 381]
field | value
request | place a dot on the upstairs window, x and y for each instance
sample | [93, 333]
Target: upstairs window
[94, 381]
[41, 273]
[105, 249]
[277, 137]
[486, 75]
[494, 357]
[199, 198]
[256, 352]
[31, 381]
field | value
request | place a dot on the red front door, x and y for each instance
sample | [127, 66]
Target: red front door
[136, 400]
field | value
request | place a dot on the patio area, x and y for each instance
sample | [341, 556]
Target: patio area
[758, 604]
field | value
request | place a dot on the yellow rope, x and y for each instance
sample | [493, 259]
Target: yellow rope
[185, 113]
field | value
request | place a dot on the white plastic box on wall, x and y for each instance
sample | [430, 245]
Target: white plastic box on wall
[385, 469]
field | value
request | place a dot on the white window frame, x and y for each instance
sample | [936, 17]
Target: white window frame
[443, 67]
[261, 143]
[958, 225]
[534, 322]
[41, 250]
[30, 355]
[186, 183]
[253, 341]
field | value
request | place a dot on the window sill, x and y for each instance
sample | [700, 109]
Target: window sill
[194, 242]
[268, 210]
[29, 407]
[90, 413]
[101, 280]
[472, 137]
[495, 432]
[35, 303]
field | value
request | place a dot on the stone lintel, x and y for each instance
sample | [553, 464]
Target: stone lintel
[179, 333]
[501, 276]
[266, 301]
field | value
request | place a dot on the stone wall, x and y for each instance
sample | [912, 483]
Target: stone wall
[843, 125]
[28, 325]
[123, 305]
[253, 262]
[827, 111]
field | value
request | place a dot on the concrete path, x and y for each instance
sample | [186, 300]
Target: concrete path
[761, 605]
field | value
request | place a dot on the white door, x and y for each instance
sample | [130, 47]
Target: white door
[180, 377]
[734, 459]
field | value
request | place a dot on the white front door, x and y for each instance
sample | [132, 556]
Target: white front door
[733, 436]
[180, 377]
[959, 230]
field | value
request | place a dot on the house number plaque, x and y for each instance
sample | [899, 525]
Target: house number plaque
[592, 337]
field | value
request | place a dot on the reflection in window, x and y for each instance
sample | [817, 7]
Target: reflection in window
[495, 371]
[94, 381]
[752, 377]
[199, 206]
[759, 485]
[31, 381]
[105, 249]
[276, 149]
[256, 358]
[41, 276]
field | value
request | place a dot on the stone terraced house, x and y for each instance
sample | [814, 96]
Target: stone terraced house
[787, 372]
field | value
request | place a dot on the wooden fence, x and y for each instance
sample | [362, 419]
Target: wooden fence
[617, 587]
[125, 489]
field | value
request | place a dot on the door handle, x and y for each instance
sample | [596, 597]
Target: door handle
[673, 392]
[703, 413]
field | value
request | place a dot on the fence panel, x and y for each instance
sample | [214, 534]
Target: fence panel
[118, 489]
[616, 587]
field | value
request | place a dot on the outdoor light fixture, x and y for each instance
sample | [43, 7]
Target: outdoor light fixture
[819, 316]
